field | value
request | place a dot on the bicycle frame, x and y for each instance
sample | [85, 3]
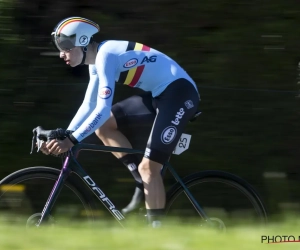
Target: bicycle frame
[72, 165]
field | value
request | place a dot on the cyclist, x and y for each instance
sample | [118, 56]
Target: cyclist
[170, 97]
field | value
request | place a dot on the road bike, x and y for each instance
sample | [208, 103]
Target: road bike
[208, 197]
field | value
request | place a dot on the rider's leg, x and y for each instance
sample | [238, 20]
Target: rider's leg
[175, 106]
[133, 114]
[155, 197]
[111, 136]
[134, 117]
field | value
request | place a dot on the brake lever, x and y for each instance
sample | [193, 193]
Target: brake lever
[36, 141]
[33, 142]
[39, 144]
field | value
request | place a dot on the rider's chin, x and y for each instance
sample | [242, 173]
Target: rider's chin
[72, 64]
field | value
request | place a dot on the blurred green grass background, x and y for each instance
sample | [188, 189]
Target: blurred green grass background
[78, 236]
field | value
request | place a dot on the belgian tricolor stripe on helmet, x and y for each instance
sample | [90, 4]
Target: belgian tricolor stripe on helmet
[132, 76]
[75, 19]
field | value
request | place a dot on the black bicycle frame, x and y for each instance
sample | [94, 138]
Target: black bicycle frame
[72, 165]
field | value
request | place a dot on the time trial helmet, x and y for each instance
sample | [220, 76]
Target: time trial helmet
[73, 31]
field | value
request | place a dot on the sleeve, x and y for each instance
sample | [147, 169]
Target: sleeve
[90, 100]
[106, 65]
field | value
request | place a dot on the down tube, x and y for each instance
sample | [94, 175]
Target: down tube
[76, 167]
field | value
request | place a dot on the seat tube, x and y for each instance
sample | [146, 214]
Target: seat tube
[64, 173]
[190, 196]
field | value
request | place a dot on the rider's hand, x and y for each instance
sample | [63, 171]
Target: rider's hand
[57, 147]
[44, 149]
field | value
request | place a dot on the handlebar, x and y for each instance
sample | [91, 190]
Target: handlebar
[41, 135]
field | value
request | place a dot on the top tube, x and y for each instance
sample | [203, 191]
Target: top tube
[94, 147]
[75, 150]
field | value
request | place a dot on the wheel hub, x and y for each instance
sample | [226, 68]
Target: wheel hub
[218, 224]
[33, 220]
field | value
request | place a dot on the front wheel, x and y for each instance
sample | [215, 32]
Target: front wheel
[225, 198]
[23, 195]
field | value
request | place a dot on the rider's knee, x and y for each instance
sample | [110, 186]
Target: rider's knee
[149, 168]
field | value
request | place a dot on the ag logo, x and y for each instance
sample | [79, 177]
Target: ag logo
[83, 40]
[168, 135]
[149, 59]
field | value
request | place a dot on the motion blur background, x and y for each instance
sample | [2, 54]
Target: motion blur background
[243, 56]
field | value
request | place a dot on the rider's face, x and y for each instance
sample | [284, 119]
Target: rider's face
[72, 57]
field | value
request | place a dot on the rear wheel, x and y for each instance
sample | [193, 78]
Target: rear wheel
[24, 193]
[225, 198]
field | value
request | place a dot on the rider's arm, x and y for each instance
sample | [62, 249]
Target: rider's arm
[90, 100]
[106, 65]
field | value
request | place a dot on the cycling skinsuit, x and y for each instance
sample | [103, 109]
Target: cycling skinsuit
[174, 94]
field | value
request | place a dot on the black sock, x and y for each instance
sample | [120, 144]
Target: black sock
[131, 161]
[155, 216]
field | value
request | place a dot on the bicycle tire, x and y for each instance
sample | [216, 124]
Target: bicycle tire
[51, 174]
[223, 177]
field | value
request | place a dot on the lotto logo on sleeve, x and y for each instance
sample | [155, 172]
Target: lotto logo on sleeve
[105, 92]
